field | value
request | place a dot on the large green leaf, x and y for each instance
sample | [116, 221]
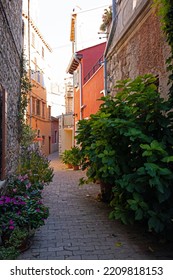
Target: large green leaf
[155, 223]
[139, 214]
[168, 159]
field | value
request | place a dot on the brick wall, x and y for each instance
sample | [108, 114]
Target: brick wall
[142, 49]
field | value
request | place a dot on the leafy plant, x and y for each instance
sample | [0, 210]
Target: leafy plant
[18, 238]
[11, 209]
[66, 157]
[36, 213]
[129, 144]
[9, 253]
[35, 164]
[22, 104]
[21, 212]
[106, 19]
[22, 185]
[72, 156]
[28, 135]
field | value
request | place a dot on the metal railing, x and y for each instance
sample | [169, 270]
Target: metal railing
[94, 69]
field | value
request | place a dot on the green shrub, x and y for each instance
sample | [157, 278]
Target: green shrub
[129, 144]
[9, 253]
[72, 156]
[35, 164]
[66, 157]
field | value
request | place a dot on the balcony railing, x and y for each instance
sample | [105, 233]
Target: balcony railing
[94, 69]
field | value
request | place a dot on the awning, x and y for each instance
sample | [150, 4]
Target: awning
[74, 63]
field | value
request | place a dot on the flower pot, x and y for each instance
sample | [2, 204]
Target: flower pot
[26, 244]
[69, 166]
[76, 167]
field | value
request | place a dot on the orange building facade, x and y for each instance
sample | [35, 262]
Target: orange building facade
[39, 117]
[88, 81]
[38, 114]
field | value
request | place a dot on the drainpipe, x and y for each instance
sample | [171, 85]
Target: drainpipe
[105, 77]
[114, 9]
[80, 83]
[113, 28]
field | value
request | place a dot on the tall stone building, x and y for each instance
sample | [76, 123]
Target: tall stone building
[10, 57]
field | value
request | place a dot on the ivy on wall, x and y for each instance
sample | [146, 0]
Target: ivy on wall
[24, 90]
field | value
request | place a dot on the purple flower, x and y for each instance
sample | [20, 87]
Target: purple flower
[11, 222]
[28, 186]
[11, 227]
[20, 177]
[7, 199]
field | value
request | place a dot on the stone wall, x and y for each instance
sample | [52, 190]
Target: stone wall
[10, 56]
[139, 49]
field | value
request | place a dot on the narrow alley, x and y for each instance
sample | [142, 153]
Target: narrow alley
[79, 228]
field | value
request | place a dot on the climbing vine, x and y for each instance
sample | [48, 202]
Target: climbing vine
[22, 105]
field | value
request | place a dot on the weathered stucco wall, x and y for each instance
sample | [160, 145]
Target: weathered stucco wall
[141, 49]
[10, 56]
[92, 92]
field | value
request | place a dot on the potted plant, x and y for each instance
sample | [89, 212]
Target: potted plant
[19, 239]
[72, 157]
[75, 157]
[20, 215]
[66, 158]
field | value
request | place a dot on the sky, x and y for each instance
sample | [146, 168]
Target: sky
[54, 22]
[53, 19]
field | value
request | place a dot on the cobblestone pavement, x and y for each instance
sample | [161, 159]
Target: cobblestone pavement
[79, 228]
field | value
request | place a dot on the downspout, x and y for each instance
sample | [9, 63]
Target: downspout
[113, 28]
[105, 77]
[80, 83]
[114, 9]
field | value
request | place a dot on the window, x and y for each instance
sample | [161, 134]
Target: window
[42, 79]
[76, 79]
[33, 105]
[38, 107]
[43, 110]
[55, 136]
[38, 77]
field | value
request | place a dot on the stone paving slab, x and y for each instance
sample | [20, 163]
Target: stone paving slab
[78, 227]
